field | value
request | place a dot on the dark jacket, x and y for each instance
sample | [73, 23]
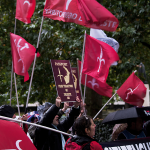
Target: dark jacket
[90, 144]
[130, 134]
[47, 139]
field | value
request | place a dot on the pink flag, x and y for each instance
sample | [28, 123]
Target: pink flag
[25, 10]
[13, 137]
[96, 85]
[22, 54]
[88, 13]
[132, 91]
[98, 58]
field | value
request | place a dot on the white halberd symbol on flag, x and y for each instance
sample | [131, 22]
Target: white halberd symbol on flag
[131, 91]
[17, 145]
[20, 48]
[100, 59]
[93, 83]
[67, 4]
[26, 2]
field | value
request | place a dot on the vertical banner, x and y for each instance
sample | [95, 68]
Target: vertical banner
[64, 80]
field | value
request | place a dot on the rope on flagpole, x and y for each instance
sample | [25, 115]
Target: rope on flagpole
[104, 106]
[34, 65]
[82, 65]
[34, 124]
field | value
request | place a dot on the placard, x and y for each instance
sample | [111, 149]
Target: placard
[64, 80]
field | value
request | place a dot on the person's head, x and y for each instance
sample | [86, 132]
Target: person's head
[56, 120]
[135, 124]
[7, 111]
[84, 125]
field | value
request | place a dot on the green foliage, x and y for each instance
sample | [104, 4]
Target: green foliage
[103, 132]
[61, 40]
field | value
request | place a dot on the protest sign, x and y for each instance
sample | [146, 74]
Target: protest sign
[133, 144]
[64, 80]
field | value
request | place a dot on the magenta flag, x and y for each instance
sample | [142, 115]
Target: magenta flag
[23, 54]
[25, 10]
[98, 58]
[88, 13]
[132, 91]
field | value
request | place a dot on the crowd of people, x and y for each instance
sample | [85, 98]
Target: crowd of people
[75, 122]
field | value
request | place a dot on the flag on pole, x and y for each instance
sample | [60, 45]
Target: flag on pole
[88, 13]
[22, 55]
[132, 91]
[98, 58]
[101, 88]
[100, 35]
[13, 137]
[25, 10]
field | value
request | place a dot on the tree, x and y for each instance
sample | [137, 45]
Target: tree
[61, 40]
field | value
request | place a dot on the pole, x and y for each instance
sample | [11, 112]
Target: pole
[12, 69]
[16, 94]
[34, 65]
[79, 79]
[104, 106]
[34, 124]
[82, 63]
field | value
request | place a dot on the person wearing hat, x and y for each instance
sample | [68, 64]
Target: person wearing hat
[7, 111]
[47, 139]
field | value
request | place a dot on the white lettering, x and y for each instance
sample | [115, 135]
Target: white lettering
[61, 14]
[80, 19]
[130, 147]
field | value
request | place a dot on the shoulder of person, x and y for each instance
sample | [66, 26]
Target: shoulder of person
[95, 146]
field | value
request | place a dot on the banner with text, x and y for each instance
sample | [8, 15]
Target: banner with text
[133, 144]
[64, 80]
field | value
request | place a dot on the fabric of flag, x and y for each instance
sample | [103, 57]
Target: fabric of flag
[97, 58]
[132, 91]
[25, 10]
[88, 13]
[101, 88]
[23, 54]
[13, 137]
[100, 35]
[33, 114]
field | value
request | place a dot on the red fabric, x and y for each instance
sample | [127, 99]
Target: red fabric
[98, 58]
[88, 13]
[132, 91]
[96, 85]
[95, 146]
[13, 137]
[23, 54]
[25, 10]
[25, 127]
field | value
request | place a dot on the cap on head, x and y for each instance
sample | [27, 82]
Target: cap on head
[7, 111]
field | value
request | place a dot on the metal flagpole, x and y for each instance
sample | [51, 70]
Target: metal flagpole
[85, 91]
[14, 80]
[79, 79]
[34, 124]
[34, 65]
[104, 106]
[107, 102]
[12, 69]
[82, 64]
[16, 94]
